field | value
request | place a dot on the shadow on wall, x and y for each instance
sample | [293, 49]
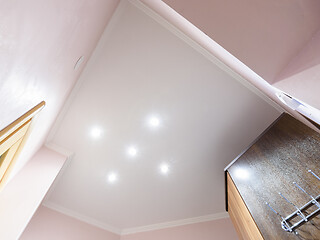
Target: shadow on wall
[308, 57]
[301, 77]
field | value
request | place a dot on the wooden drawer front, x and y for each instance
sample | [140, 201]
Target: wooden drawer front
[240, 215]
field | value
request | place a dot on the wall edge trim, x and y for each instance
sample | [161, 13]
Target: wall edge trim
[80, 217]
[177, 223]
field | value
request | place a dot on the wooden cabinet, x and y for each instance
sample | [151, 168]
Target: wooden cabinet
[283, 154]
[240, 215]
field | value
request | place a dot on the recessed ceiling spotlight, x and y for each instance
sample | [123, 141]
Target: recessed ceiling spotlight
[95, 132]
[164, 168]
[132, 151]
[154, 121]
[112, 177]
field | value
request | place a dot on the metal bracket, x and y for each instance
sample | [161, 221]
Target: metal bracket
[285, 222]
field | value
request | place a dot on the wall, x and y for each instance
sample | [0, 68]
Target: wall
[40, 42]
[22, 196]
[51, 225]
[265, 35]
[213, 230]
[277, 39]
[301, 77]
[224, 56]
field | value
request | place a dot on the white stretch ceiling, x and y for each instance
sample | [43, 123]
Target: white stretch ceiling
[206, 117]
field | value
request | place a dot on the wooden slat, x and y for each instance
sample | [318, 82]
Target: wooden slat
[20, 121]
[8, 157]
[240, 215]
[17, 148]
[14, 137]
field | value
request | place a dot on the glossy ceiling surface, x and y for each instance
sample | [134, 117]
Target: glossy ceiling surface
[152, 123]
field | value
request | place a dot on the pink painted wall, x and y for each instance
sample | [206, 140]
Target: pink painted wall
[265, 35]
[52, 225]
[307, 58]
[22, 196]
[213, 230]
[301, 77]
[40, 42]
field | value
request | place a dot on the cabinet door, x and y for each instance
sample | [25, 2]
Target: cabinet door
[240, 215]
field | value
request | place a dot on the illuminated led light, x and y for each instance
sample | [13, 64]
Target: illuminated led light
[95, 132]
[132, 151]
[242, 173]
[154, 122]
[112, 177]
[164, 168]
